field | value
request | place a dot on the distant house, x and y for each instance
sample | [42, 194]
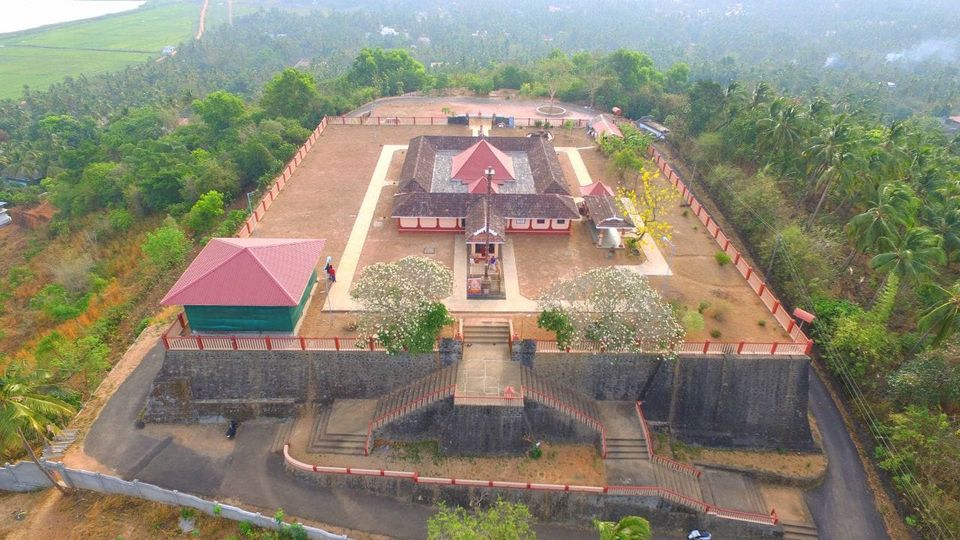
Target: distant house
[169, 50]
[951, 124]
[5, 218]
[603, 126]
[248, 284]
[651, 126]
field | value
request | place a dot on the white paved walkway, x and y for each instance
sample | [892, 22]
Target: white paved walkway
[340, 292]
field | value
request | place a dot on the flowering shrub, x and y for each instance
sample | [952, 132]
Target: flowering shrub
[615, 307]
[400, 303]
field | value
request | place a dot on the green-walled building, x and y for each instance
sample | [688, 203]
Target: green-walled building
[248, 284]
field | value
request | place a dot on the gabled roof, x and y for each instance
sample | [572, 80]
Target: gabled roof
[479, 232]
[479, 186]
[605, 214]
[596, 189]
[472, 163]
[247, 272]
[605, 127]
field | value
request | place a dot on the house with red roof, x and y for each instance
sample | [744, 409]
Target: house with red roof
[248, 284]
[603, 126]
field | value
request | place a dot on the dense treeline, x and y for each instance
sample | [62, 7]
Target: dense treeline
[175, 169]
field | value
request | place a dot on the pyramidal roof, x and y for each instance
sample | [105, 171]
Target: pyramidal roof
[472, 163]
[247, 272]
[597, 189]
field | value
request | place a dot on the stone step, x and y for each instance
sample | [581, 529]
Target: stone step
[281, 437]
[799, 531]
[616, 454]
[755, 496]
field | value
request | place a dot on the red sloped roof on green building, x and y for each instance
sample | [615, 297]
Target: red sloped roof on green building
[247, 272]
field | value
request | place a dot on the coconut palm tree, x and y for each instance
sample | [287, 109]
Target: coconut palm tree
[26, 411]
[628, 528]
[782, 130]
[912, 256]
[893, 209]
[943, 317]
[833, 159]
[943, 218]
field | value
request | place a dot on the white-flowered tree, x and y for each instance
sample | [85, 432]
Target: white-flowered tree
[400, 303]
[615, 307]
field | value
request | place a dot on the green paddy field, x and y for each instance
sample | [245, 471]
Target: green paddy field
[42, 56]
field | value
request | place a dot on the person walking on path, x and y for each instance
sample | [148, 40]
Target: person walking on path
[331, 273]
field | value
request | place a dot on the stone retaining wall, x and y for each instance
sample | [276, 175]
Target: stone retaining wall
[475, 430]
[722, 400]
[194, 386]
[554, 506]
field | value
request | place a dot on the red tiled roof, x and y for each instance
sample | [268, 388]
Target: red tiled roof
[603, 126]
[472, 163]
[597, 189]
[247, 272]
[480, 186]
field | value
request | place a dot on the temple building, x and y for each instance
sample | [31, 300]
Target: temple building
[484, 189]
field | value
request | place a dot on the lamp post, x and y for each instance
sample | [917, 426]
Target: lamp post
[489, 172]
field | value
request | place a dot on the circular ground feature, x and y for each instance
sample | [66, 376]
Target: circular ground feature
[551, 110]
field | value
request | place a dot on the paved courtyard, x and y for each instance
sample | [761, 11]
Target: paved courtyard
[343, 192]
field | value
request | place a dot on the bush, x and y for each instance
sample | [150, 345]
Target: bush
[166, 247]
[205, 212]
[722, 258]
[58, 304]
[863, 346]
[121, 220]
[560, 324]
[806, 261]
[692, 321]
[715, 334]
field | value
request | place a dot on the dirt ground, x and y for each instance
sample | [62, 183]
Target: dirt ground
[560, 463]
[87, 515]
[324, 195]
[510, 105]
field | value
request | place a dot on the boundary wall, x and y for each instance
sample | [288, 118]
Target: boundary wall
[800, 344]
[26, 476]
[586, 500]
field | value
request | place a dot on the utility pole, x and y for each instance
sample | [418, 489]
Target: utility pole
[486, 222]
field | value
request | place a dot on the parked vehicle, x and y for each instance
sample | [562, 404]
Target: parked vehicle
[699, 535]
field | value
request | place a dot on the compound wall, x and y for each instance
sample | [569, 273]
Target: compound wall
[194, 386]
[724, 400]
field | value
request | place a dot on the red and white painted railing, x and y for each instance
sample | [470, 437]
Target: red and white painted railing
[805, 344]
[570, 410]
[657, 458]
[686, 347]
[442, 121]
[651, 491]
[260, 209]
[406, 408]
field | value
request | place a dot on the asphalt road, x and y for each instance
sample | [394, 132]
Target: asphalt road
[243, 470]
[199, 460]
[842, 506]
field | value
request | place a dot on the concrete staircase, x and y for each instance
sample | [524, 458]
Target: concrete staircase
[799, 531]
[486, 331]
[679, 482]
[624, 437]
[282, 436]
[324, 439]
[58, 446]
[561, 397]
[407, 399]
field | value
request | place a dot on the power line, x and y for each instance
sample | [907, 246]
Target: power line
[909, 486]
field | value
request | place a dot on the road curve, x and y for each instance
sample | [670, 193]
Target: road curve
[842, 506]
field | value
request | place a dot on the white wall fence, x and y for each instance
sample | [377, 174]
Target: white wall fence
[26, 476]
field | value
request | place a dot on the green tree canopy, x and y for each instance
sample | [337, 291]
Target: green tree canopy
[390, 71]
[501, 521]
[292, 94]
[220, 110]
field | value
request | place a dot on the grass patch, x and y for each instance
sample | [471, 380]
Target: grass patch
[414, 452]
